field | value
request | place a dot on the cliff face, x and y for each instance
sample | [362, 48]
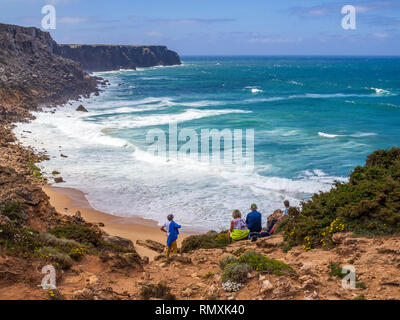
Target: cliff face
[31, 74]
[108, 57]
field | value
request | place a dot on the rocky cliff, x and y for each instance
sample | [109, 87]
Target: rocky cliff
[108, 57]
[32, 75]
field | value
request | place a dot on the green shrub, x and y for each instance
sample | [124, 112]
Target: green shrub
[236, 272]
[35, 170]
[55, 294]
[60, 258]
[225, 261]
[369, 204]
[77, 253]
[159, 291]
[336, 269]
[18, 240]
[52, 240]
[113, 247]
[78, 233]
[12, 210]
[260, 263]
[239, 251]
[210, 240]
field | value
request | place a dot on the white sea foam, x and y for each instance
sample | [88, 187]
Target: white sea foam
[381, 92]
[296, 83]
[162, 119]
[253, 89]
[101, 166]
[119, 175]
[354, 135]
[327, 135]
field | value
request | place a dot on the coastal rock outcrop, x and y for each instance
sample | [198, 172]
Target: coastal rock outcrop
[116, 57]
[31, 74]
[81, 108]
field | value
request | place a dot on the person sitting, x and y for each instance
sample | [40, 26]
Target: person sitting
[238, 230]
[253, 219]
[286, 210]
[278, 216]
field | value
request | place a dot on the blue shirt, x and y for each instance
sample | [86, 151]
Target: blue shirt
[173, 232]
[253, 221]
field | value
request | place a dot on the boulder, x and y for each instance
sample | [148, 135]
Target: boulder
[84, 294]
[81, 108]
[307, 267]
[266, 286]
[152, 245]
[284, 288]
[118, 240]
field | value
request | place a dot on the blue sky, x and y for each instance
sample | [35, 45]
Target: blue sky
[221, 27]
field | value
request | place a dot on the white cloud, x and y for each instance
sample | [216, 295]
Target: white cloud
[380, 35]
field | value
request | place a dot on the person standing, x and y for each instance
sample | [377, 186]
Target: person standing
[172, 230]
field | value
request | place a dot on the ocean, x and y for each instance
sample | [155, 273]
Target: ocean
[314, 120]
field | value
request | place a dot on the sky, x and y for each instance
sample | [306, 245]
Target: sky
[220, 27]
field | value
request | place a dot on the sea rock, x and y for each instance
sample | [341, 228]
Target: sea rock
[58, 179]
[81, 108]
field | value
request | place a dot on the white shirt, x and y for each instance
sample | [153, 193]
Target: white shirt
[166, 225]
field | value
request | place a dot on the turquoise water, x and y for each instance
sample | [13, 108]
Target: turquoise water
[314, 119]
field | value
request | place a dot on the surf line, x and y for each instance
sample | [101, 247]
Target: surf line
[209, 140]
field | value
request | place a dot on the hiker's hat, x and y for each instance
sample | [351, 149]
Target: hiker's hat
[253, 206]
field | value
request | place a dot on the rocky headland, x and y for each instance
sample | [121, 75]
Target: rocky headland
[111, 57]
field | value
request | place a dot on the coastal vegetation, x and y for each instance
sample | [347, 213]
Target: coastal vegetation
[210, 240]
[369, 205]
[236, 270]
[61, 245]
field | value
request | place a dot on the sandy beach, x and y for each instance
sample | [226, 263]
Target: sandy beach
[68, 201]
